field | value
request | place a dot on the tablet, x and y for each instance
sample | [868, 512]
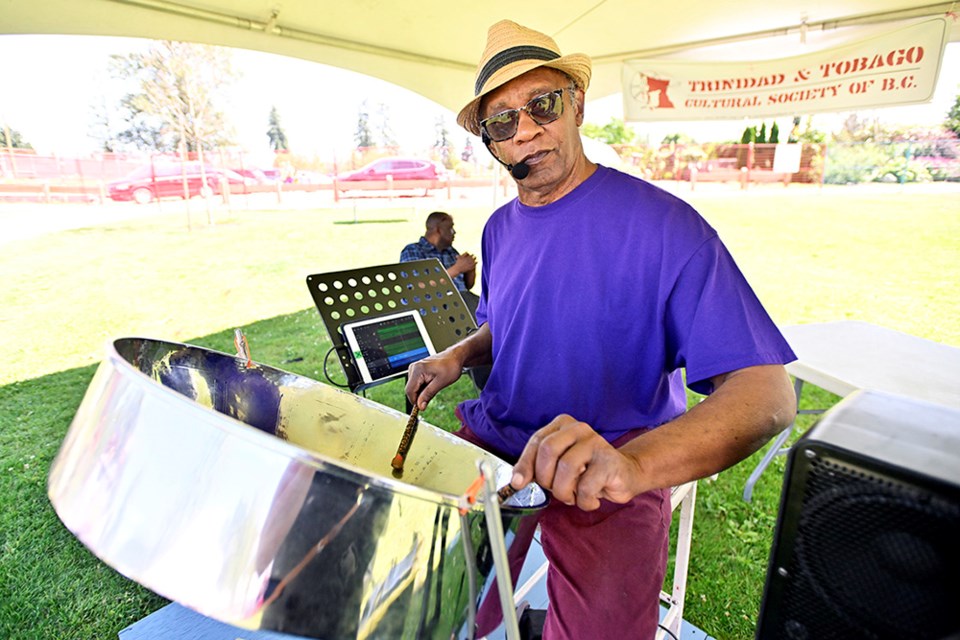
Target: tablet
[385, 346]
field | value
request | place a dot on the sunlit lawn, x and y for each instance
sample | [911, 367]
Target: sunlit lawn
[888, 255]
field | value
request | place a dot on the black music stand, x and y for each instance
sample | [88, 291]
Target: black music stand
[369, 292]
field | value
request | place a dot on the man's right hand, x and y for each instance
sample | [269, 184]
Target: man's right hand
[425, 378]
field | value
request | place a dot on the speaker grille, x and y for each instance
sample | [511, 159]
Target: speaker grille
[874, 557]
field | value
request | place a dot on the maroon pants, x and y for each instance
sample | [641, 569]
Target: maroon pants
[606, 566]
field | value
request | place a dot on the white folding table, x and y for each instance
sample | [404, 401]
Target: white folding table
[842, 357]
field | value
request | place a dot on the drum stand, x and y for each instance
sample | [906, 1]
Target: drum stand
[486, 485]
[498, 545]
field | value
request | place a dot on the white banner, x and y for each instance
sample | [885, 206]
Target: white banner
[898, 67]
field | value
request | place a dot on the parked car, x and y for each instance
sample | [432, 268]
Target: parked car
[257, 175]
[150, 182]
[311, 177]
[399, 168]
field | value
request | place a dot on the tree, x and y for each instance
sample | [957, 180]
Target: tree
[614, 132]
[102, 127]
[678, 139]
[178, 85]
[362, 136]
[387, 138]
[467, 154]
[856, 130]
[794, 135]
[442, 143]
[808, 133]
[953, 117]
[278, 139]
[759, 136]
[143, 131]
[15, 140]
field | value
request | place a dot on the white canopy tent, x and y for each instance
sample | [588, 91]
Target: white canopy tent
[431, 46]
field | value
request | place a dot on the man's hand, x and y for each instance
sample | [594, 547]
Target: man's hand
[465, 263]
[425, 378]
[576, 465]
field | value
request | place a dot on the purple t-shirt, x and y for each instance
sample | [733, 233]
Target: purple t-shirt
[595, 304]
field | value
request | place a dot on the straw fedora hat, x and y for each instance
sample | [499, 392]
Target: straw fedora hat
[511, 51]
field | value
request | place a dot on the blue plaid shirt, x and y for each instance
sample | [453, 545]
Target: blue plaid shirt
[423, 250]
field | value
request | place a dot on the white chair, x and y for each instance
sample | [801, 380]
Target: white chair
[683, 496]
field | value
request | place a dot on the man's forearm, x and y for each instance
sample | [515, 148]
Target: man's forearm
[747, 408]
[470, 278]
[476, 349]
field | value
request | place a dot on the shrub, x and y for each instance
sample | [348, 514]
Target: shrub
[852, 164]
[941, 169]
[871, 162]
[900, 169]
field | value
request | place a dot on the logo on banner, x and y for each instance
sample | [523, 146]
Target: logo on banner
[651, 93]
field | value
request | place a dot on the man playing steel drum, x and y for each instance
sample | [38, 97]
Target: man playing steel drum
[599, 290]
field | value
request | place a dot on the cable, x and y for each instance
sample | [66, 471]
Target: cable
[668, 632]
[519, 171]
[327, 373]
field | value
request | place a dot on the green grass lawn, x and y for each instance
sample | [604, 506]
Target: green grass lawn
[885, 256]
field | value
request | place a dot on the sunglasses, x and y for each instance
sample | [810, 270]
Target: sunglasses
[543, 109]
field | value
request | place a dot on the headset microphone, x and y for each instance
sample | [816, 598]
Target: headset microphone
[520, 170]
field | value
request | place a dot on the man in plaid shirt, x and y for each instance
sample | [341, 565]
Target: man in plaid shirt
[437, 242]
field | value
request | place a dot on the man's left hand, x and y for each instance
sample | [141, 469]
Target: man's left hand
[574, 463]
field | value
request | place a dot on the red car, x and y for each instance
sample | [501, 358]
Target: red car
[148, 183]
[399, 168]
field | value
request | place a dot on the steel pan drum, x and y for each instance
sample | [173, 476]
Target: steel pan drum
[265, 499]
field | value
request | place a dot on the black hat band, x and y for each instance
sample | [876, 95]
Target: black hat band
[509, 56]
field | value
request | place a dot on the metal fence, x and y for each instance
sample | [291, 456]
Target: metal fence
[833, 163]
[933, 160]
[25, 174]
[744, 163]
[19, 164]
[25, 164]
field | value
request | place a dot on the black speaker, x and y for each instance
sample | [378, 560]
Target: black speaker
[867, 542]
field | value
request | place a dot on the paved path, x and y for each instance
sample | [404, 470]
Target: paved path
[22, 221]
